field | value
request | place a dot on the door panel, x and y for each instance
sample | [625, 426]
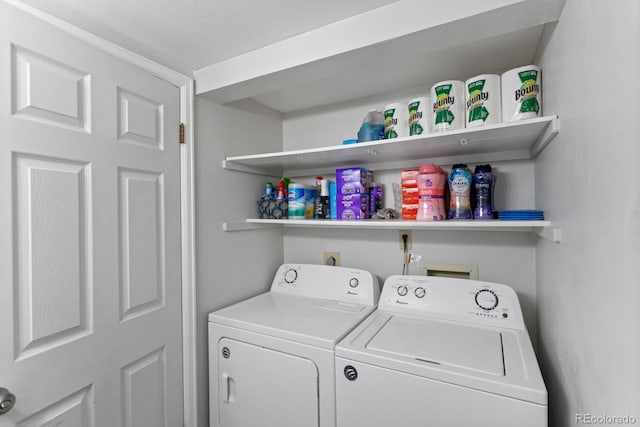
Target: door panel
[142, 281]
[89, 225]
[140, 120]
[263, 387]
[47, 91]
[144, 396]
[52, 286]
[74, 410]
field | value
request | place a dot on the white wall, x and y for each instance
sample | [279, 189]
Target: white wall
[501, 257]
[588, 288]
[230, 266]
[330, 125]
[379, 252]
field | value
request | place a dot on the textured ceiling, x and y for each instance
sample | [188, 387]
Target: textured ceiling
[190, 34]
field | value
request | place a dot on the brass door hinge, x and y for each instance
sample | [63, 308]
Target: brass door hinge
[181, 132]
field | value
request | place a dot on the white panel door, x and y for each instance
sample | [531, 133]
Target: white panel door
[90, 311]
[264, 387]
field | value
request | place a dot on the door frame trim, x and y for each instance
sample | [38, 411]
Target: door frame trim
[186, 86]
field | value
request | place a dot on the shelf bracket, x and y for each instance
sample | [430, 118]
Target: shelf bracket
[229, 165]
[245, 226]
[550, 233]
[550, 132]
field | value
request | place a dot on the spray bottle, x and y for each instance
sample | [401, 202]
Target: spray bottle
[322, 210]
[317, 201]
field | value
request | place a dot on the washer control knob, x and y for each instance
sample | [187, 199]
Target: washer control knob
[402, 290]
[420, 292]
[354, 282]
[486, 299]
[290, 275]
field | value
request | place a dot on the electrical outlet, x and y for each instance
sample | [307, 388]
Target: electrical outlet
[331, 258]
[408, 233]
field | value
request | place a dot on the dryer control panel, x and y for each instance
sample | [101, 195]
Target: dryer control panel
[327, 282]
[455, 299]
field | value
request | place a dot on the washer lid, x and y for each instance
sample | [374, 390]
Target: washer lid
[441, 343]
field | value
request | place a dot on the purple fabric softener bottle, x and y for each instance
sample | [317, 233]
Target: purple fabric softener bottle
[483, 182]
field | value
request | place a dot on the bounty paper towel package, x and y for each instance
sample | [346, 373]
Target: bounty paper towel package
[521, 93]
[483, 100]
[396, 121]
[448, 106]
[419, 115]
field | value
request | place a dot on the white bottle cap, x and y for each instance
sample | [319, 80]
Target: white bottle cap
[324, 187]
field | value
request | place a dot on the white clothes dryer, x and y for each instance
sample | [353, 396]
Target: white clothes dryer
[272, 358]
[440, 352]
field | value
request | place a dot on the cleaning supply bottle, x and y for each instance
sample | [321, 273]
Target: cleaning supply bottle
[268, 191]
[441, 189]
[483, 182]
[282, 192]
[372, 128]
[460, 180]
[281, 205]
[375, 199]
[324, 200]
[318, 201]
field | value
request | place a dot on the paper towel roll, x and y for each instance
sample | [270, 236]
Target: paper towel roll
[396, 120]
[419, 115]
[483, 100]
[521, 93]
[448, 105]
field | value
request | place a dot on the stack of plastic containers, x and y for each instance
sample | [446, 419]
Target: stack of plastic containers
[409, 193]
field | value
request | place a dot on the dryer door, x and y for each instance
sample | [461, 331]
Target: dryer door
[263, 387]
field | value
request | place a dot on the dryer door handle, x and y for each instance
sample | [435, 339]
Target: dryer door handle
[228, 388]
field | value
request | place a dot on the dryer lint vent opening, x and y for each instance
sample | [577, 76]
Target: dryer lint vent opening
[458, 271]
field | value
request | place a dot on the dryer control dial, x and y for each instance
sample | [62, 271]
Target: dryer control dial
[402, 290]
[486, 299]
[290, 275]
[354, 282]
[420, 292]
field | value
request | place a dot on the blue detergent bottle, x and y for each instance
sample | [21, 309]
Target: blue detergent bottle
[372, 128]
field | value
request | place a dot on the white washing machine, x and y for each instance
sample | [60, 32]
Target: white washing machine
[272, 356]
[440, 352]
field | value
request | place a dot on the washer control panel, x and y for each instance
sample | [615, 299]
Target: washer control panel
[328, 282]
[459, 299]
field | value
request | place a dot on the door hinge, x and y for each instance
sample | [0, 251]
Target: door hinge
[181, 133]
